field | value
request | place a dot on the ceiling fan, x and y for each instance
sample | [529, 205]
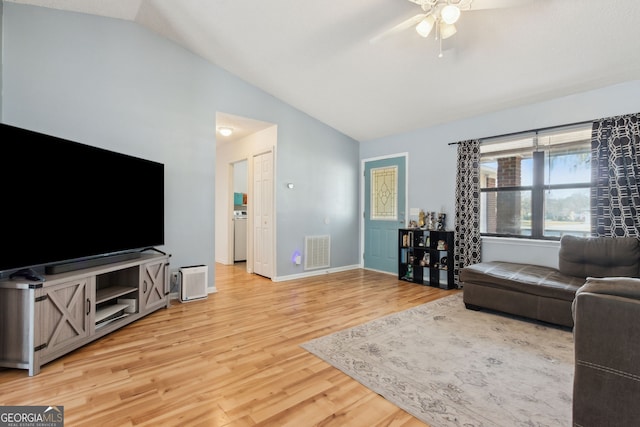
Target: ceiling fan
[440, 16]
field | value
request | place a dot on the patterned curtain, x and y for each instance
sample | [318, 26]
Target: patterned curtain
[615, 150]
[467, 220]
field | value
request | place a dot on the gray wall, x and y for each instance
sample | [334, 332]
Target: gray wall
[432, 162]
[115, 85]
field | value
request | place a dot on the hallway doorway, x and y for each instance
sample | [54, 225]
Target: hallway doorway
[234, 167]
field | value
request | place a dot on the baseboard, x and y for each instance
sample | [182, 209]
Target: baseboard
[380, 271]
[315, 273]
[176, 295]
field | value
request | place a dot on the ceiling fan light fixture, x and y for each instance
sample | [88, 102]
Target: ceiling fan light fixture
[447, 30]
[450, 14]
[425, 26]
[225, 131]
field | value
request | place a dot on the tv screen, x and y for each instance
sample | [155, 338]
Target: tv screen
[66, 201]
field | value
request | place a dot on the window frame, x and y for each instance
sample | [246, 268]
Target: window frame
[539, 155]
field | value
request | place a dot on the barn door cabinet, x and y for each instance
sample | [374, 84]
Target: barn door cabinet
[153, 280]
[40, 322]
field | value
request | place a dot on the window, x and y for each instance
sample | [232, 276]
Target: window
[537, 184]
[384, 193]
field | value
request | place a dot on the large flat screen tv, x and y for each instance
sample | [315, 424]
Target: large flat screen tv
[65, 202]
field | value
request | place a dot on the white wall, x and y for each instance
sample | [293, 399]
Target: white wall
[432, 162]
[240, 174]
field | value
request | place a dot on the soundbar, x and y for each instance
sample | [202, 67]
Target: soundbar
[89, 262]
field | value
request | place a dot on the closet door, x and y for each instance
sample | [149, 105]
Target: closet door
[263, 214]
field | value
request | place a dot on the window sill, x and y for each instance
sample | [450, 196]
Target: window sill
[522, 241]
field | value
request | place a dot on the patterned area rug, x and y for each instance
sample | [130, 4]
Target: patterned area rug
[449, 366]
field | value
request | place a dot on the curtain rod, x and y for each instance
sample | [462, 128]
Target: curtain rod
[530, 130]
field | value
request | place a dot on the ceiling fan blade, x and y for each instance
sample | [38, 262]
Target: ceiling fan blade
[400, 27]
[497, 4]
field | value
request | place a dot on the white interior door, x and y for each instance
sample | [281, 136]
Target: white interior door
[263, 214]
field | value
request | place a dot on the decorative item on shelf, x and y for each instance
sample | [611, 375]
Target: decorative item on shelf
[442, 245]
[409, 274]
[421, 219]
[426, 258]
[428, 243]
[432, 221]
[443, 263]
[413, 217]
[405, 240]
[421, 241]
[440, 224]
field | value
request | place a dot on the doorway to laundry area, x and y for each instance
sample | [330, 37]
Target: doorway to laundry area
[237, 197]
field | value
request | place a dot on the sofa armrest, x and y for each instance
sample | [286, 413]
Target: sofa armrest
[606, 384]
[627, 287]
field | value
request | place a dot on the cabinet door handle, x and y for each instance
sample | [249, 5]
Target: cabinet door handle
[88, 306]
[144, 288]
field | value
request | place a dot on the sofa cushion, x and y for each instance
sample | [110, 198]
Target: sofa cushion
[525, 278]
[599, 256]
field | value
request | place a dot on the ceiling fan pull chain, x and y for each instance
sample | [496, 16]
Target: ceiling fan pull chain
[439, 39]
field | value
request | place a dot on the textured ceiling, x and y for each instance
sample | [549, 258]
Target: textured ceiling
[317, 55]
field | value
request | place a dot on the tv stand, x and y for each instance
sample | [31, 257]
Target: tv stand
[29, 274]
[89, 262]
[43, 320]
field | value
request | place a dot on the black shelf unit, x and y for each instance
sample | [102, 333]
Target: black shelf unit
[426, 257]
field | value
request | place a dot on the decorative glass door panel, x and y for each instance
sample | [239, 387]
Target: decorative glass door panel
[384, 193]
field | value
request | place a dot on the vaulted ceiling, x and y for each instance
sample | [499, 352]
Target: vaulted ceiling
[318, 57]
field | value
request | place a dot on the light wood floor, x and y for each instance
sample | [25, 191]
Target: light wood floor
[231, 360]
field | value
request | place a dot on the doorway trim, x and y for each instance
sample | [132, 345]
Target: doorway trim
[363, 162]
[230, 220]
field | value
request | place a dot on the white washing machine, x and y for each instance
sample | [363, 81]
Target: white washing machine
[240, 236]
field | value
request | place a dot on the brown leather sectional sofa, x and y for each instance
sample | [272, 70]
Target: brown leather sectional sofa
[546, 293]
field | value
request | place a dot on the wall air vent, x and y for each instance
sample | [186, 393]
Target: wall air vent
[317, 252]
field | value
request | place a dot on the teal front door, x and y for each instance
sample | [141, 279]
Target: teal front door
[384, 211]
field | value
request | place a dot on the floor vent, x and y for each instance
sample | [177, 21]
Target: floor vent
[317, 252]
